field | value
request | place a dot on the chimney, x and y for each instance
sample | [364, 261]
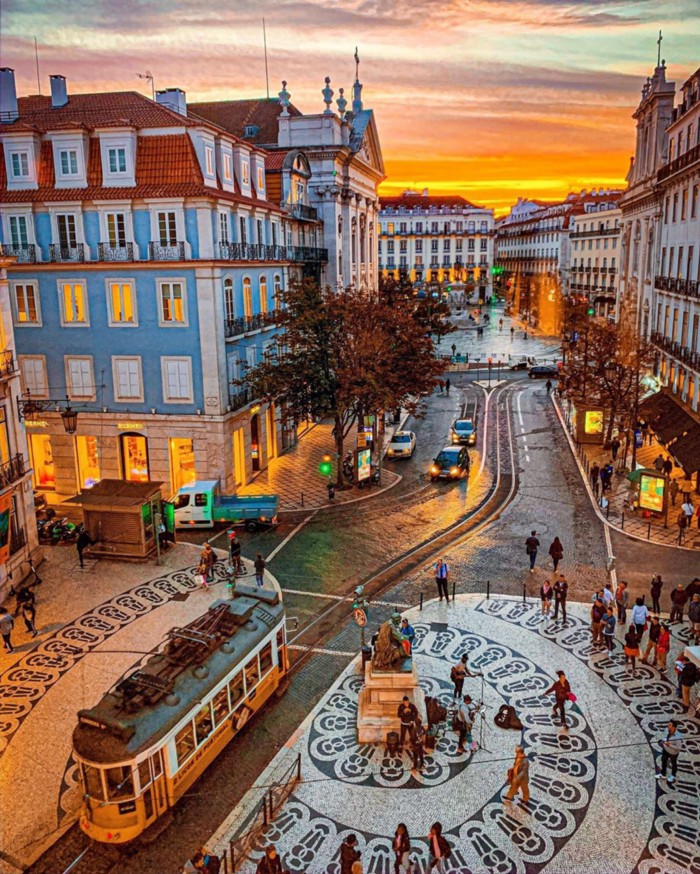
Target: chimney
[59, 92]
[173, 98]
[425, 192]
[8, 96]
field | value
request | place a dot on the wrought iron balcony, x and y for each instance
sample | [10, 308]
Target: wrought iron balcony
[238, 327]
[302, 211]
[106, 252]
[601, 232]
[12, 470]
[676, 350]
[239, 398]
[23, 254]
[308, 254]
[176, 252]
[687, 287]
[8, 366]
[679, 163]
[66, 253]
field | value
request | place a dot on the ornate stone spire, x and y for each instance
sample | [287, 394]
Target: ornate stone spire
[341, 103]
[327, 96]
[357, 87]
[284, 96]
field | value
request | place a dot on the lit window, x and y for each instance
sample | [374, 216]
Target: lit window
[172, 303]
[209, 160]
[245, 172]
[69, 162]
[20, 164]
[220, 706]
[184, 743]
[247, 298]
[261, 179]
[227, 168]
[27, 303]
[203, 723]
[121, 300]
[116, 229]
[263, 294]
[73, 303]
[277, 291]
[117, 160]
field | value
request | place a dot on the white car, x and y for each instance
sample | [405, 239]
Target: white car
[402, 445]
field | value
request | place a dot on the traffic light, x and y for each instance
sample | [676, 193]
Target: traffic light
[359, 599]
[590, 311]
[325, 468]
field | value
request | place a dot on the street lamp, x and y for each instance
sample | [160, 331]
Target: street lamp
[29, 407]
[69, 417]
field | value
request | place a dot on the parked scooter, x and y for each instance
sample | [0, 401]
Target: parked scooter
[375, 477]
[349, 467]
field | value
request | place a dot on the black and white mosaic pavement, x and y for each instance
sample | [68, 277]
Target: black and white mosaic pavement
[596, 807]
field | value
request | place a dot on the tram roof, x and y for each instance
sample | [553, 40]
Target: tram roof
[109, 732]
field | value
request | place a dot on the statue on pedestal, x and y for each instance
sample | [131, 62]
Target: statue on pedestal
[389, 651]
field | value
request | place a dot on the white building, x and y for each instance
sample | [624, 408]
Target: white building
[594, 247]
[437, 239]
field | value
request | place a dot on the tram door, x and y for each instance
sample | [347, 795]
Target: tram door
[155, 799]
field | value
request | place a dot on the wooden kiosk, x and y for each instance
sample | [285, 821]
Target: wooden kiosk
[122, 517]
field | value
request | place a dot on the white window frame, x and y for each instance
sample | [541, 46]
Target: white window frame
[132, 399]
[19, 153]
[229, 311]
[224, 227]
[176, 359]
[251, 356]
[162, 323]
[228, 167]
[21, 359]
[71, 173]
[14, 221]
[245, 172]
[116, 149]
[261, 180]
[37, 301]
[209, 159]
[83, 284]
[114, 323]
[85, 395]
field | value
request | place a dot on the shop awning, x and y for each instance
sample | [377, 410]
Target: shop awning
[675, 428]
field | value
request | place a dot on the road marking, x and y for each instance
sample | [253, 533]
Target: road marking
[290, 535]
[520, 411]
[318, 651]
[527, 457]
[330, 597]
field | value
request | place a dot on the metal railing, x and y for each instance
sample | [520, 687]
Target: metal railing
[240, 398]
[12, 470]
[601, 232]
[679, 163]
[66, 253]
[301, 211]
[682, 353]
[310, 253]
[174, 252]
[690, 287]
[106, 252]
[8, 367]
[23, 254]
[241, 325]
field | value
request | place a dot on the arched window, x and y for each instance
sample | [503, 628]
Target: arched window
[229, 305]
[247, 298]
[277, 286]
[263, 294]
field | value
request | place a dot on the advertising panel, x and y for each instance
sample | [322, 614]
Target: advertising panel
[364, 464]
[593, 423]
[651, 492]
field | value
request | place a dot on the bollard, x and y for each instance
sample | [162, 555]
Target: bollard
[454, 586]
[421, 601]
[488, 589]
[524, 592]
[302, 499]
[622, 519]
[648, 530]
[607, 511]
[299, 767]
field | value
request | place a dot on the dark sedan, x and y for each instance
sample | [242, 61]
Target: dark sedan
[543, 371]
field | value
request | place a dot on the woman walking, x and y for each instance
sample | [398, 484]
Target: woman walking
[401, 846]
[556, 551]
[546, 598]
[640, 614]
[662, 647]
[632, 648]
[562, 694]
[656, 586]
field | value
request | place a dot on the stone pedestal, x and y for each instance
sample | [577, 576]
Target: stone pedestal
[379, 701]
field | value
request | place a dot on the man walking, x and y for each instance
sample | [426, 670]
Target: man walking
[442, 572]
[259, 570]
[26, 605]
[673, 489]
[84, 540]
[609, 631]
[679, 598]
[653, 642]
[418, 745]
[518, 777]
[531, 546]
[694, 617]
[465, 723]
[688, 678]
[561, 592]
[207, 560]
[457, 675]
[621, 601]
[562, 690]
[688, 510]
[595, 474]
[7, 623]
[614, 448]
[659, 462]
[234, 552]
[447, 385]
[597, 612]
[407, 714]
[670, 750]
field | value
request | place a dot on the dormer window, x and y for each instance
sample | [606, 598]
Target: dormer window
[69, 162]
[261, 179]
[20, 165]
[251, 130]
[209, 160]
[117, 160]
[227, 168]
[245, 172]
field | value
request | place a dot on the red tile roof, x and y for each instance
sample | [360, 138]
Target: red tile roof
[235, 115]
[274, 161]
[167, 160]
[420, 201]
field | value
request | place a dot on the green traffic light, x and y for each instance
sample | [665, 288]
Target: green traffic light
[590, 311]
[325, 468]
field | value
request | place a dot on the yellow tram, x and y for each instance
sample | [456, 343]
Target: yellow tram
[150, 737]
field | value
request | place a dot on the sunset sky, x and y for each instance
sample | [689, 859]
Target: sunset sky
[493, 99]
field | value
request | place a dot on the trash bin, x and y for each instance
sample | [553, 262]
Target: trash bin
[366, 655]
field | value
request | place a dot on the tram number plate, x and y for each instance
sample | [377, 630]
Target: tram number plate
[127, 807]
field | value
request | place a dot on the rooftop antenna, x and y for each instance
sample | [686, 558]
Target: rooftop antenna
[267, 78]
[149, 78]
[36, 55]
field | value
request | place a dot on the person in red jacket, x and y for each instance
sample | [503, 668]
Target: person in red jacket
[562, 691]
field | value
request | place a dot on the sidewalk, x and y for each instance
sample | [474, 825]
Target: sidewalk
[619, 514]
[295, 477]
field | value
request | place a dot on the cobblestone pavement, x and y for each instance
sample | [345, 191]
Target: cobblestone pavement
[601, 769]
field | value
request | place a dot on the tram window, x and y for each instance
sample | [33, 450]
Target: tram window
[266, 658]
[184, 742]
[144, 774]
[93, 782]
[280, 638]
[220, 705]
[120, 782]
[236, 689]
[252, 673]
[157, 765]
[203, 724]
[148, 803]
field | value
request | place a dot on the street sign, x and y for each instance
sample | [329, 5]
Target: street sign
[360, 617]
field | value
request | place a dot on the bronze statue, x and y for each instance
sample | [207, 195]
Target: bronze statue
[389, 651]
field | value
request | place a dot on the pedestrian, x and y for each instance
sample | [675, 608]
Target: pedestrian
[408, 634]
[447, 385]
[512, 332]
[207, 560]
[440, 850]
[442, 573]
[562, 694]
[531, 546]
[418, 745]
[688, 508]
[655, 592]
[546, 598]
[518, 777]
[694, 617]
[679, 598]
[561, 592]
[663, 646]
[621, 601]
[615, 448]
[234, 552]
[609, 631]
[407, 713]
[640, 614]
[659, 462]
[500, 324]
[7, 623]
[556, 551]
[668, 467]
[401, 845]
[682, 522]
[454, 348]
[632, 647]
[441, 384]
[548, 386]
[259, 570]
[653, 642]
[465, 723]
[693, 588]
[605, 476]
[697, 515]
[595, 476]
[608, 597]
[687, 679]
[673, 489]
[457, 675]
[597, 611]
[524, 335]
[81, 544]
[270, 863]
[26, 604]
[671, 746]
[349, 854]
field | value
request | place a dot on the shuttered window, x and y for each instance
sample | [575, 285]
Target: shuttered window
[177, 379]
[80, 381]
[127, 379]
